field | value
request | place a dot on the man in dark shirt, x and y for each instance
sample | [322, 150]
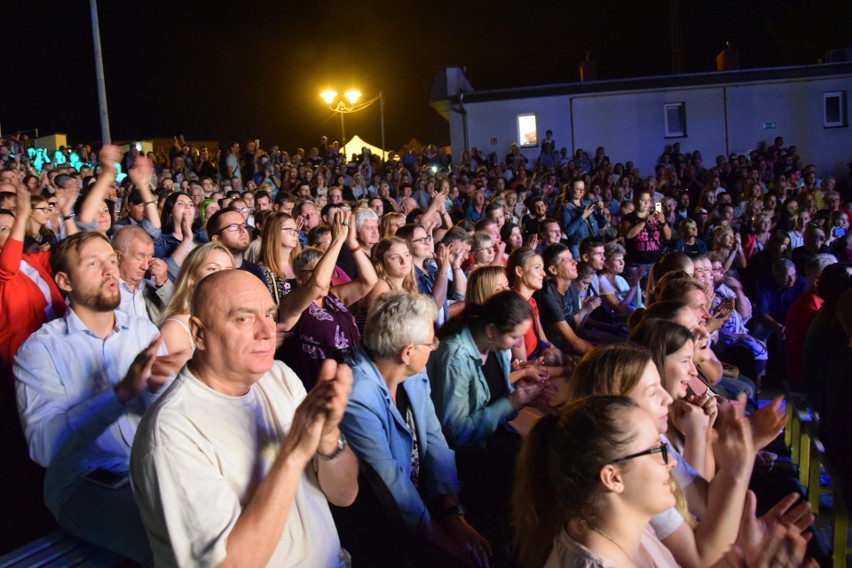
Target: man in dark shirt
[813, 244]
[775, 293]
[229, 227]
[556, 307]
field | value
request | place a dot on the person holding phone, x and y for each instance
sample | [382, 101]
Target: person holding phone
[644, 232]
[581, 218]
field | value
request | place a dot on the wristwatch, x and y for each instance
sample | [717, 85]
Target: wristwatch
[341, 445]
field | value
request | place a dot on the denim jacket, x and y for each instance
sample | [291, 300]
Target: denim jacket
[461, 393]
[378, 434]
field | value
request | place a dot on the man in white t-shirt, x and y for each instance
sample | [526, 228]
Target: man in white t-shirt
[237, 463]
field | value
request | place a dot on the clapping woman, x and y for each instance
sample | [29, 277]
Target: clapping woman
[391, 424]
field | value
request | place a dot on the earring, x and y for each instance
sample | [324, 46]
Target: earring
[408, 363]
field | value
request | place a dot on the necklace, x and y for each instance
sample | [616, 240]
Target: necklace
[609, 538]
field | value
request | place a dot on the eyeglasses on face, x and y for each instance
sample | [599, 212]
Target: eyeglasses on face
[233, 228]
[290, 230]
[661, 449]
[423, 240]
[433, 346]
[40, 208]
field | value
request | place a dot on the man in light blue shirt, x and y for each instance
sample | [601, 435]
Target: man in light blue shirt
[141, 296]
[82, 384]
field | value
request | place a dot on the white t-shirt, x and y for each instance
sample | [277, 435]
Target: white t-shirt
[198, 456]
[668, 521]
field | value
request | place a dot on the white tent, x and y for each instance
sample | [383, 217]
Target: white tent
[356, 145]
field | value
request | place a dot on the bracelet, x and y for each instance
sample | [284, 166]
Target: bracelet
[341, 445]
[356, 249]
[69, 217]
[152, 202]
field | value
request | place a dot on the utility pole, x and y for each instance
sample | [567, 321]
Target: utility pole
[677, 63]
[99, 71]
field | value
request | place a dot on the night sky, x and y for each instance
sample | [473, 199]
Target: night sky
[212, 70]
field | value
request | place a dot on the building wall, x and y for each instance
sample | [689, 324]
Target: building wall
[720, 119]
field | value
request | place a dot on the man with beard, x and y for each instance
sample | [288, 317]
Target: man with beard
[229, 227]
[82, 389]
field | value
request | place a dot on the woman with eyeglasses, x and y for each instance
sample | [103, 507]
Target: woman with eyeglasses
[28, 295]
[630, 370]
[483, 251]
[279, 246]
[39, 237]
[391, 424]
[432, 267]
[591, 478]
[325, 327]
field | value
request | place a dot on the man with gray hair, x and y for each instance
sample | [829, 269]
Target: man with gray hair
[141, 296]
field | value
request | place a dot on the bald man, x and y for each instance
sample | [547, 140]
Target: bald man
[237, 463]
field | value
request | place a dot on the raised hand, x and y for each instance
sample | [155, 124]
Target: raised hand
[139, 372]
[734, 447]
[109, 155]
[767, 422]
[141, 173]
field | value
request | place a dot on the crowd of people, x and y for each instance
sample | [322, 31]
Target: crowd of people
[223, 357]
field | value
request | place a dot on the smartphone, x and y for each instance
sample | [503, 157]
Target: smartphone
[107, 478]
[658, 207]
[838, 231]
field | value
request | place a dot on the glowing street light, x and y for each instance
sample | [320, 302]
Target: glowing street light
[349, 104]
[352, 96]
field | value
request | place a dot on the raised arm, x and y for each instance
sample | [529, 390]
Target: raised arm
[108, 156]
[140, 174]
[297, 301]
[10, 256]
[351, 292]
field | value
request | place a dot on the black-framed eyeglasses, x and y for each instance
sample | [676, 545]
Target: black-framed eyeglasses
[661, 449]
[233, 228]
[423, 240]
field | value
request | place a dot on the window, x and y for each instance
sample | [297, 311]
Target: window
[834, 109]
[527, 130]
[675, 120]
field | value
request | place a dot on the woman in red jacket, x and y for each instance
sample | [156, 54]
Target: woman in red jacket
[28, 295]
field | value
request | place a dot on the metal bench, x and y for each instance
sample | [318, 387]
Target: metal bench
[60, 549]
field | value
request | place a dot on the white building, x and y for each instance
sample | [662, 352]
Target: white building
[636, 119]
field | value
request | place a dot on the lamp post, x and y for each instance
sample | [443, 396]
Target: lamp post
[347, 104]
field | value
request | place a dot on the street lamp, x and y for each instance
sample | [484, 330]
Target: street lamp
[349, 104]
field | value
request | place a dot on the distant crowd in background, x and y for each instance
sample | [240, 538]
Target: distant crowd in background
[238, 355]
